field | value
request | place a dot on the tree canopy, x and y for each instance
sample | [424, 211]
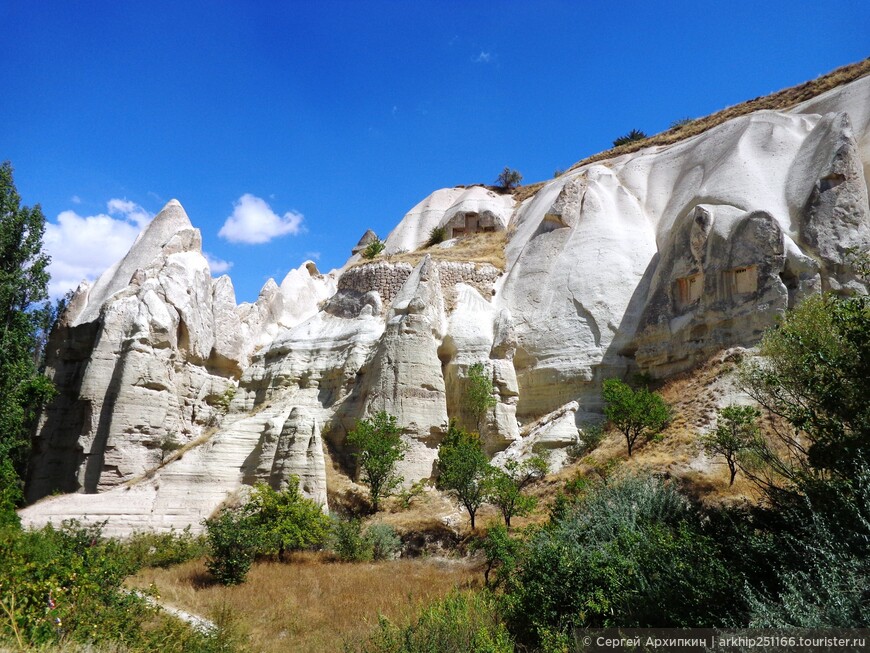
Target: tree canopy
[634, 413]
[463, 468]
[379, 447]
[25, 313]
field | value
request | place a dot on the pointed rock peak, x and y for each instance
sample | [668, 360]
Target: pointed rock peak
[148, 248]
[172, 217]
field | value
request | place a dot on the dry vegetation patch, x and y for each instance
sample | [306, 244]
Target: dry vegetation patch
[481, 247]
[779, 101]
[312, 604]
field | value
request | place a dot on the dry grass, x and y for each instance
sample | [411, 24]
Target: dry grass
[474, 248]
[778, 101]
[311, 604]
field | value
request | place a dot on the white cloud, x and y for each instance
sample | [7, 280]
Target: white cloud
[253, 221]
[483, 57]
[82, 247]
[75, 199]
[130, 211]
[217, 265]
[314, 256]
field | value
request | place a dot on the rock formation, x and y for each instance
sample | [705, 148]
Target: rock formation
[651, 261]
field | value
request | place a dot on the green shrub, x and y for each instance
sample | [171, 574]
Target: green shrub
[348, 542]
[500, 551]
[629, 554]
[286, 520]
[373, 249]
[232, 545]
[384, 541]
[66, 583]
[460, 623]
[463, 468]
[407, 495]
[150, 549]
[436, 235]
[630, 137]
[503, 488]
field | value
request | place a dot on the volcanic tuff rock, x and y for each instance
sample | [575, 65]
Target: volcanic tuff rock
[651, 261]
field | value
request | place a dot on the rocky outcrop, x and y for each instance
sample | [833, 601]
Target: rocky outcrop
[651, 261]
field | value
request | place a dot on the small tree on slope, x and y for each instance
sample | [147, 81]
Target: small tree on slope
[379, 444]
[634, 413]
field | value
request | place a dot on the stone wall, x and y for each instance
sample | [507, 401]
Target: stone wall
[388, 278]
[385, 278]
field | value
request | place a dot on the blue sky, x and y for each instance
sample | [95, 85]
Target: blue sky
[310, 122]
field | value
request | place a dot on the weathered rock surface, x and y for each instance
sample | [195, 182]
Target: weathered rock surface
[651, 261]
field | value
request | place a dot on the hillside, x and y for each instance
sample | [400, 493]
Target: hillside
[173, 399]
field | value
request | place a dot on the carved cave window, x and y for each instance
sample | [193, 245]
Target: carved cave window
[744, 280]
[689, 289]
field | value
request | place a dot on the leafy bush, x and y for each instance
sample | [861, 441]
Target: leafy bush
[286, 520]
[630, 137]
[407, 495]
[500, 551]
[348, 542]
[353, 543]
[460, 623]
[508, 178]
[504, 487]
[436, 235]
[821, 567]
[384, 541]
[151, 549]
[479, 395]
[630, 554]
[232, 545]
[373, 249]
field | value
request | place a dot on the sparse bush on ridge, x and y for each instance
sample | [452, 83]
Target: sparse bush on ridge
[373, 249]
[508, 178]
[630, 137]
[436, 235]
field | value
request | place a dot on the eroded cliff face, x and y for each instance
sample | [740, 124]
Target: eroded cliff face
[648, 262]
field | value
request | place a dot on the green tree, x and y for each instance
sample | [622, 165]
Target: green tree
[634, 413]
[286, 520]
[500, 550]
[379, 447]
[479, 394]
[24, 314]
[462, 468]
[509, 178]
[504, 487]
[736, 433]
[232, 545]
[814, 377]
